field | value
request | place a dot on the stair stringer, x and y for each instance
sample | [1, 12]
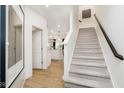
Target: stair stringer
[100, 36]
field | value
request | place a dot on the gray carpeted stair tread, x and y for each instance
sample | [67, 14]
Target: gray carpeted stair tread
[87, 50]
[88, 57]
[89, 83]
[87, 43]
[88, 60]
[91, 72]
[86, 63]
[88, 54]
[89, 77]
[81, 46]
[72, 85]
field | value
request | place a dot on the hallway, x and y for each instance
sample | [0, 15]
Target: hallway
[49, 78]
[84, 42]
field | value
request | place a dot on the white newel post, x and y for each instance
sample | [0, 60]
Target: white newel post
[66, 60]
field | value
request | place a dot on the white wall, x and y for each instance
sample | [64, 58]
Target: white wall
[32, 18]
[70, 40]
[112, 20]
[87, 22]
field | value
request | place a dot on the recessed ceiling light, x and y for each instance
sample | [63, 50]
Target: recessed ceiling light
[58, 25]
[47, 6]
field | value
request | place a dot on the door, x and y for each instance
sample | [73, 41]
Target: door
[37, 50]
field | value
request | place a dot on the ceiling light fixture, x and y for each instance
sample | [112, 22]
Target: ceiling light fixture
[58, 25]
[47, 6]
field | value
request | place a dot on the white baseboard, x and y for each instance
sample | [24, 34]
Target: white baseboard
[22, 85]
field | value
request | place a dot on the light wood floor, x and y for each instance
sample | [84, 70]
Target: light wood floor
[49, 78]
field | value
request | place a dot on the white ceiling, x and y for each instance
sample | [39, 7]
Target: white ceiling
[55, 15]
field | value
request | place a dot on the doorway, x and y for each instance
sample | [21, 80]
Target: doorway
[37, 48]
[2, 46]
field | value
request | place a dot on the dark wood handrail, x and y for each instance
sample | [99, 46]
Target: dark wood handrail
[116, 54]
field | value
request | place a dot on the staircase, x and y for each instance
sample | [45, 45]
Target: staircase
[88, 68]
